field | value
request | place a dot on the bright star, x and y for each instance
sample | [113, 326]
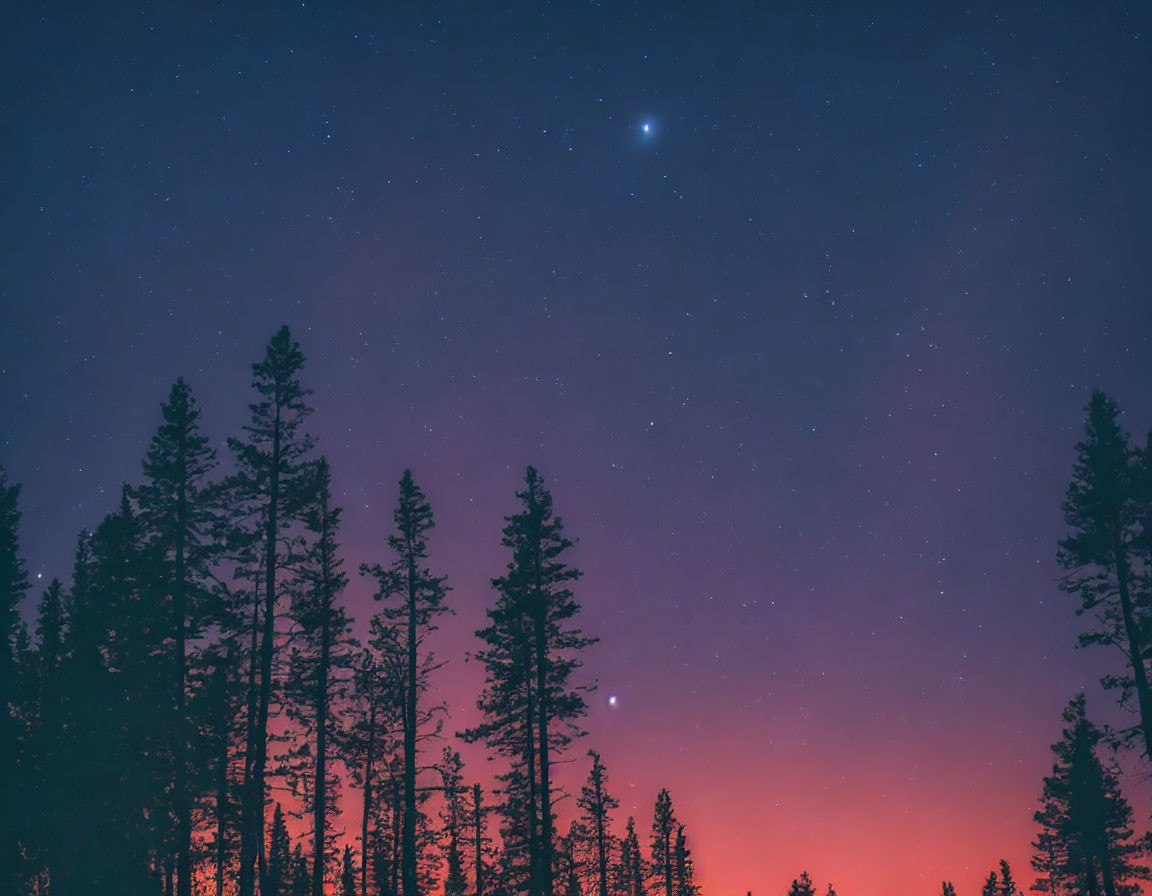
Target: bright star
[646, 127]
[611, 699]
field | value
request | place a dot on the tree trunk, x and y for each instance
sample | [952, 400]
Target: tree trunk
[541, 613]
[247, 883]
[367, 807]
[479, 818]
[1106, 875]
[321, 785]
[1135, 647]
[1090, 877]
[408, 852]
[601, 846]
[181, 803]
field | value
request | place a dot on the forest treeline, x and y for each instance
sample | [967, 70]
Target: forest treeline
[191, 711]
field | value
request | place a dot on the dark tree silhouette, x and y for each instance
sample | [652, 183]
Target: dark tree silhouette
[320, 669]
[452, 821]
[271, 490]
[347, 874]
[630, 874]
[13, 585]
[477, 821]
[946, 889]
[802, 886]
[1085, 844]
[179, 518]
[1106, 554]
[683, 865]
[596, 804]
[373, 713]
[413, 599]
[1007, 882]
[991, 885]
[279, 855]
[531, 650]
[663, 853]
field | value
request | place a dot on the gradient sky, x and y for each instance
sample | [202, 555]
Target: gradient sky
[804, 361]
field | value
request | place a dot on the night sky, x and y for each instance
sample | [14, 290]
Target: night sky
[796, 307]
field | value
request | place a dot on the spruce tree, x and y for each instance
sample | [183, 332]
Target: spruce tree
[596, 804]
[373, 714]
[991, 885]
[452, 822]
[1086, 841]
[946, 889]
[179, 519]
[684, 868]
[802, 886]
[1007, 883]
[663, 853]
[270, 491]
[279, 855]
[530, 706]
[347, 874]
[1106, 555]
[630, 876]
[477, 820]
[320, 669]
[413, 599]
[13, 585]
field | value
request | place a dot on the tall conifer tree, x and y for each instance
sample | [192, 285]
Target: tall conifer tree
[13, 585]
[531, 649]
[179, 521]
[320, 668]
[271, 490]
[413, 599]
[597, 804]
[1085, 844]
[1106, 554]
[663, 853]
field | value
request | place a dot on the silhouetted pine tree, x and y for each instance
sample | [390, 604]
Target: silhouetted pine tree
[1105, 553]
[991, 885]
[630, 875]
[1007, 883]
[802, 886]
[131, 613]
[682, 860]
[301, 873]
[13, 585]
[477, 821]
[270, 490]
[43, 748]
[452, 821]
[1085, 843]
[347, 874]
[179, 520]
[215, 701]
[831, 891]
[413, 599]
[373, 715]
[596, 804]
[568, 861]
[279, 855]
[319, 671]
[531, 650]
[663, 853]
[946, 889]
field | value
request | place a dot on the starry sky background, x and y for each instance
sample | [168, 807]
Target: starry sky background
[804, 363]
